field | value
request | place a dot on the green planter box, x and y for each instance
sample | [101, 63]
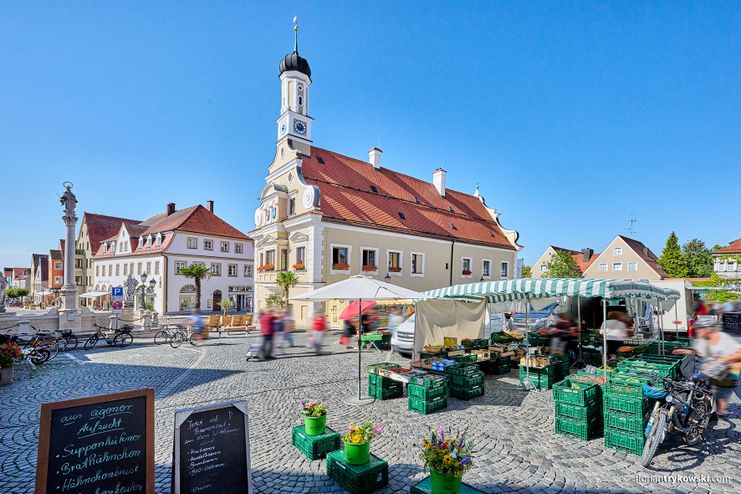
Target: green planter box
[424, 486]
[315, 447]
[357, 479]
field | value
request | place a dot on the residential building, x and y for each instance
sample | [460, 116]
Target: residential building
[40, 278]
[155, 251]
[626, 259]
[327, 216]
[727, 261]
[583, 259]
[56, 268]
[17, 277]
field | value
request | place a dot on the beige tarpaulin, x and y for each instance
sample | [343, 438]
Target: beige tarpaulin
[439, 318]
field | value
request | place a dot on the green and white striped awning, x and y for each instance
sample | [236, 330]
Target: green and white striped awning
[508, 290]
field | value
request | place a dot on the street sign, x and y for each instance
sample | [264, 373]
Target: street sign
[117, 299]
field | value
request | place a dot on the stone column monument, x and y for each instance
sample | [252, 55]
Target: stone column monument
[69, 314]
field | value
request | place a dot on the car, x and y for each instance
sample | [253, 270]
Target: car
[536, 320]
[403, 338]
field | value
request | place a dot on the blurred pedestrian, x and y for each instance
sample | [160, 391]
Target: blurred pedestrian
[318, 327]
[348, 331]
[196, 324]
[395, 320]
[266, 332]
[616, 332]
[561, 333]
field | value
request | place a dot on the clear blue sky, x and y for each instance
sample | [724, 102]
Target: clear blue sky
[571, 116]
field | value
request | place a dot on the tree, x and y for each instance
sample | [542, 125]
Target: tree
[285, 281]
[672, 261]
[226, 304]
[562, 265]
[16, 293]
[698, 258]
[527, 271]
[197, 272]
[275, 299]
[717, 247]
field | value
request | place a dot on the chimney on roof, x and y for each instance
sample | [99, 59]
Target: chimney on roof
[210, 205]
[438, 180]
[374, 157]
[170, 208]
[587, 253]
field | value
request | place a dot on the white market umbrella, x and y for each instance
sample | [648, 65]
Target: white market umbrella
[360, 288]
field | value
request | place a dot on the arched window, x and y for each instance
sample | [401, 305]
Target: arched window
[187, 297]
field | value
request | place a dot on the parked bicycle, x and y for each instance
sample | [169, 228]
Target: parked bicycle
[67, 340]
[683, 406]
[182, 334]
[31, 353]
[120, 337]
[41, 341]
[165, 335]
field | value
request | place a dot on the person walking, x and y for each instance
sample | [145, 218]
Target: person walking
[266, 332]
[278, 333]
[196, 324]
[318, 327]
[616, 331]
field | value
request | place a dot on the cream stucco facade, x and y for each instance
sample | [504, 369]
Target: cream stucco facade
[620, 260]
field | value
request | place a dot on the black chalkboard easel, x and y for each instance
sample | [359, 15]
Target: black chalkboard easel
[212, 450]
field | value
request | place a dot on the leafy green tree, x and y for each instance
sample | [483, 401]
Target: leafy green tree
[16, 293]
[226, 304]
[717, 247]
[285, 281]
[527, 271]
[197, 272]
[698, 258]
[672, 260]
[275, 299]
[562, 265]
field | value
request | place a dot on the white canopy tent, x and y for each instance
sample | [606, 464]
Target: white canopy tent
[360, 288]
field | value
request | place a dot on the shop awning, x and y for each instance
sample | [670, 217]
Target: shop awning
[93, 294]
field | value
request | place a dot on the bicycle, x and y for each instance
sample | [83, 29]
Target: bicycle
[682, 406]
[121, 337]
[67, 340]
[41, 341]
[35, 356]
[181, 334]
[164, 335]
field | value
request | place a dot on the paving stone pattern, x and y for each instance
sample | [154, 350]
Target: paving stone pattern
[512, 429]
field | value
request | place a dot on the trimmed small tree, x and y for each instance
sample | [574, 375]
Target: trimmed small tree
[275, 299]
[699, 259]
[562, 265]
[196, 272]
[226, 304]
[672, 260]
[527, 271]
[16, 293]
[285, 281]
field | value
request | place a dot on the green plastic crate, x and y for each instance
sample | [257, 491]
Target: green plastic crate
[371, 368]
[427, 406]
[383, 382]
[540, 381]
[424, 486]
[578, 412]
[465, 369]
[624, 441]
[630, 422]
[625, 404]
[467, 380]
[315, 447]
[426, 393]
[550, 370]
[563, 369]
[576, 392]
[581, 429]
[503, 366]
[462, 359]
[357, 479]
[467, 393]
[381, 393]
[559, 358]
[426, 355]
[429, 380]
[501, 338]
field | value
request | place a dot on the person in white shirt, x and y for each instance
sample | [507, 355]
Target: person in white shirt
[616, 332]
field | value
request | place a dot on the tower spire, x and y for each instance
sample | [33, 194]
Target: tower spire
[295, 36]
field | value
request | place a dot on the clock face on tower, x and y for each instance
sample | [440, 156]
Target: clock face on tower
[299, 126]
[283, 128]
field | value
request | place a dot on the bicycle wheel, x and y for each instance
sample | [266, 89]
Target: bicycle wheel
[52, 347]
[698, 420]
[123, 339]
[38, 356]
[62, 342]
[655, 437]
[91, 342]
[177, 339]
[161, 337]
[71, 342]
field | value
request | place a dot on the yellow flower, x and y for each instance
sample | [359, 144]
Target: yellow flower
[448, 459]
[426, 444]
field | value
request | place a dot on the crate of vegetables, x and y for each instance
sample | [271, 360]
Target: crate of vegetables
[576, 392]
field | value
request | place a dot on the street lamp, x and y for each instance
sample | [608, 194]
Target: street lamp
[481, 279]
[144, 289]
[387, 277]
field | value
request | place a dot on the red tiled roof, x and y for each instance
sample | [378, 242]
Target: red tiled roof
[732, 248]
[583, 265]
[101, 227]
[346, 197]
[55, 254]
[645, 253]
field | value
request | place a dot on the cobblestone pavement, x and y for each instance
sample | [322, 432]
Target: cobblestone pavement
[513, 430]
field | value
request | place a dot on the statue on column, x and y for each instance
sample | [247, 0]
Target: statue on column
[69, 201]
[3, 287]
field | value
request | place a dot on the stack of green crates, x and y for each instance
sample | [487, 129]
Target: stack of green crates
[315, 447]
[466, 381]
[667, 366]
[428, 394]
[563, 367]
[503, 365]
[626, 412]
[578, 408]
[383, 388]
[541, 377]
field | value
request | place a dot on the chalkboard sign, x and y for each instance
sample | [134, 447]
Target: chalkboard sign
[100, 444]
[212, 450]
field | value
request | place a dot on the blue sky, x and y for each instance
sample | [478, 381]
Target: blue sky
[571, 116]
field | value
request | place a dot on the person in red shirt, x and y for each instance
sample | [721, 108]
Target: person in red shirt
[266, 331]
[318, 326]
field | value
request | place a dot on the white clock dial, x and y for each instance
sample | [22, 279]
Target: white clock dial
[309, 197]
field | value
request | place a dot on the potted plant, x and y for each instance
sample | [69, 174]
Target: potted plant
[357, 442]
[447, 458]
[315, 417]
[9, 353]
[299, 266]
[340, 266]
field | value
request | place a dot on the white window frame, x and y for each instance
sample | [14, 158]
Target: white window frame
[420, 273]
[378, 259]
[603, 265]
[634, 265]
[234, 268]
[179, 265]
[291, 197]
[191, 242]
[332, 270]
[295, 256]
[617, 251]
[470, 266]
[224, 246]
[544, 267]
[388, 262]
[248, 271]
[238, 248]
[616, 264]
[502, 264]
[483, 274]
[213, 271]
[208, 244]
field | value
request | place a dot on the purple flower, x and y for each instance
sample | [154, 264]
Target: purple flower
[442, 434]
[379, 428]
[466, 460]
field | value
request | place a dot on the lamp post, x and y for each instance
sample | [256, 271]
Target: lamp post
[387, 277]
[146, 290]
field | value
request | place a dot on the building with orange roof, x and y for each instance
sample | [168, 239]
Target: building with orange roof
[727, 261]
[327, 216]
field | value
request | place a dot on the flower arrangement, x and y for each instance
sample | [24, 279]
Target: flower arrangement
[341, 266]
[313, 408]
[450, 456]
[466, 272]
[299, 266]
[395, 269]
[362, 433]
[9, 353]
[266, 267]
[369, 268]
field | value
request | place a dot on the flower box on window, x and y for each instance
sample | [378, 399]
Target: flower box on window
[266, 267]
[466, 272]
[299, 266]
[395, 269]
[340, 266]
[369, 268]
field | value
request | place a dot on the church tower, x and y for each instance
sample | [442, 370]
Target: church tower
[295, 79]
